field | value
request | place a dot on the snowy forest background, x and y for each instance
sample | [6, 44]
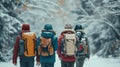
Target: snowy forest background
[99, 18]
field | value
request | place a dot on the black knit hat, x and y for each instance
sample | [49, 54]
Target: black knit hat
[78, 27]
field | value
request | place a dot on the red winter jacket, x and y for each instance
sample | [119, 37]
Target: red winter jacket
[25, 28]
[62, 56]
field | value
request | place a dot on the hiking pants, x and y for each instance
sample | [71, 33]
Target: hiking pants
[47, 64]
[27, 62]
[67, 64]
[80, 61]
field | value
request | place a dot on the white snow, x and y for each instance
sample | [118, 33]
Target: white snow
[92, 62]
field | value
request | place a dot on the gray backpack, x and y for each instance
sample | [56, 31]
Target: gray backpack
[81, 45]
[69, 42]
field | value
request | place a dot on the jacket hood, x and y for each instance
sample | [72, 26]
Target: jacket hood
[67, 31]
[79, 30]
[47, 34]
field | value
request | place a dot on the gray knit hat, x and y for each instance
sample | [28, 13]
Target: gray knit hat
[68, 26]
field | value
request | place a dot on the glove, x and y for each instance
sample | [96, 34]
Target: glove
[15, 63]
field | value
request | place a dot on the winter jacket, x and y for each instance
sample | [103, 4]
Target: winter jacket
[25, 28]
[62, 56]
[48, 33]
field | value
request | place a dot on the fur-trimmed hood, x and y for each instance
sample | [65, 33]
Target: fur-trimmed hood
[67, 31]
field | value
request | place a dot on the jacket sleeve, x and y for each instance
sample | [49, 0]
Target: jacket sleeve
[88, 47]
[15, 51]
[37, 44]
[59, 43]
[55, 43]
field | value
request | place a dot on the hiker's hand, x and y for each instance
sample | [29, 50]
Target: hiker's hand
[38, 63]
[15, 63]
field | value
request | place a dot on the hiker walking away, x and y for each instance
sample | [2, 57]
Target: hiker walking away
[47, 45]
[66, 46]
[25, 47]
[82, 51]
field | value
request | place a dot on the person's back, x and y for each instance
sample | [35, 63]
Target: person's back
[25, 47]
[67, 40]
[47, 45]
[82, 46]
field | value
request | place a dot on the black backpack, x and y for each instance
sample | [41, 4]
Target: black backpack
[81, 44]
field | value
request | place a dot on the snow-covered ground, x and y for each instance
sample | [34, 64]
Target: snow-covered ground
[92, 62]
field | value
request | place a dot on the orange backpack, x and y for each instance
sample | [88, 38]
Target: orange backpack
[45, 48]
[29, 39]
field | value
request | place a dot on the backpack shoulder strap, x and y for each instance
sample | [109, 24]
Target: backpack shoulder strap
[45, 41]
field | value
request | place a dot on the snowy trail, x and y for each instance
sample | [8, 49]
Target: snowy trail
[92, 62]
[102, 62]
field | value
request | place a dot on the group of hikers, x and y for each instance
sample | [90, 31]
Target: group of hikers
[71, 47]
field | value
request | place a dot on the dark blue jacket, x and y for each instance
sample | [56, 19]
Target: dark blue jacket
[48, 34]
